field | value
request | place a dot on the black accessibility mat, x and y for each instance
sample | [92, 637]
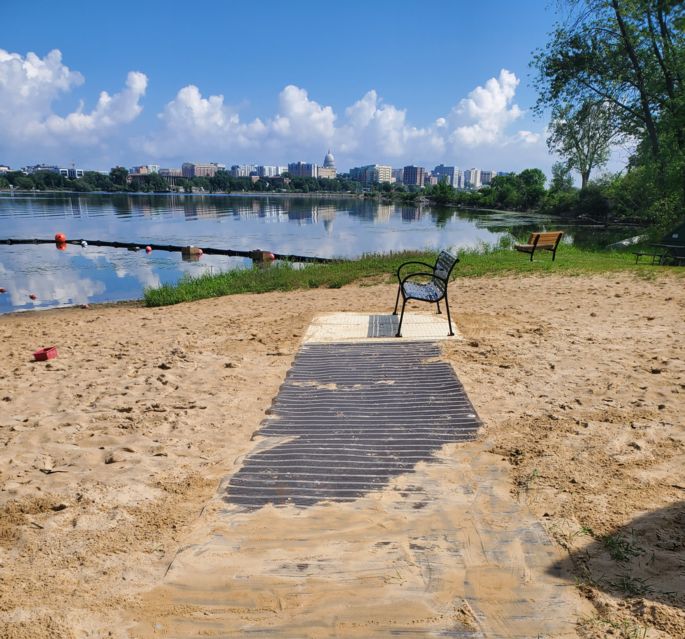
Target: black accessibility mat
[349, 418]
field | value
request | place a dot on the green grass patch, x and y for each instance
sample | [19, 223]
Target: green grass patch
[483, 261]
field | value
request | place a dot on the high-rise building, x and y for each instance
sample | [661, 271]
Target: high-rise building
[372, 174]
[446, 174]
[472, 179]
[486, 177]
[302, 169]
[413, 175]
[398, 174]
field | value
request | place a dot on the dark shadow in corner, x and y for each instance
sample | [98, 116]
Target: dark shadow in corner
[645, 559]
[354, 415]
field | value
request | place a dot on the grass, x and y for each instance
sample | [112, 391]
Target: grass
[621, 549]
[484, 261]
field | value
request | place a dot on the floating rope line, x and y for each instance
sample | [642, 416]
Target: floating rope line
[257, 255]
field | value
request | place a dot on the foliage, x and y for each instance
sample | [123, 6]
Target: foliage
[582, 134]
[626, 57]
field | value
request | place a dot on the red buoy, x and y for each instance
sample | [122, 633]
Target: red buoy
[32, 296]
[148, 249]
[270, 256]
[60, 238]
[61, 246]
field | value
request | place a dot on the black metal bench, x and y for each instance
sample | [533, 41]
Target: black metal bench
[425, 285]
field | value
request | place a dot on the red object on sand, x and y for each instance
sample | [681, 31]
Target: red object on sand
[60, 238]
[32, 296]
[49, 352]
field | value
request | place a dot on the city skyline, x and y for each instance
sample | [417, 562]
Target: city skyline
[453, 88]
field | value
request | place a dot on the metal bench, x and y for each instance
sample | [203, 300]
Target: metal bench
[427, 285]
[547, 241]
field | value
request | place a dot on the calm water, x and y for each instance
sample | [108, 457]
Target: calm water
[344, 227]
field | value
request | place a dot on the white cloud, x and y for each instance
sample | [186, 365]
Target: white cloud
[30, 85]
[491, 110]
[369, 130]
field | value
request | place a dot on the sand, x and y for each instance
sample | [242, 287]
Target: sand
[112, 457]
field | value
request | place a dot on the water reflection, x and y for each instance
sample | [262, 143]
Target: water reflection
[322, 226]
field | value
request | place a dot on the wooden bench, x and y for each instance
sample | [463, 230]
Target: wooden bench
[426, 285]
[547, 241]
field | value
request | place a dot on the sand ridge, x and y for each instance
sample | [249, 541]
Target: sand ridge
[110, 453]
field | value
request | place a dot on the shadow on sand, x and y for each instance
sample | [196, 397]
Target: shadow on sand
[641, 562]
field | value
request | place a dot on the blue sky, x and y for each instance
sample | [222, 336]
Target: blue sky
[272, 82]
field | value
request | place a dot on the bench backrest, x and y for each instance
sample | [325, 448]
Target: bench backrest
[548, 238]
[443, 268]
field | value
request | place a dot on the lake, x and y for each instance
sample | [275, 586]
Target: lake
[313, 226]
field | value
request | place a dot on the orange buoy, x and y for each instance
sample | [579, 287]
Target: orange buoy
[61, 246]
[60, 238]
[32, 296]
[148, 249]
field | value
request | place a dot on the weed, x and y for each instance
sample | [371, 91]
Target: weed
[620, 549]
[631, 586]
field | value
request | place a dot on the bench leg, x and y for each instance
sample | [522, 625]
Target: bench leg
[397, 300]
[399, 327]
[439, 311]
[449, 321]
[531, 255]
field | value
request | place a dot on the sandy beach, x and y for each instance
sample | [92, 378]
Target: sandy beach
[111, 454]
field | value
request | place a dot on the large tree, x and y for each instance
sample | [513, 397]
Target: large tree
[629, 56]
[582, 136]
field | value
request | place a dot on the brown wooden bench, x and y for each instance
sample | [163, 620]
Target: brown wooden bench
[547, 241]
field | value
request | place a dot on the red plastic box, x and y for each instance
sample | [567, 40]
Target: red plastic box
[49, 352]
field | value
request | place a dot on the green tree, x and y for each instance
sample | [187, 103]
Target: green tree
[630, 55]
[561, 177]
[582, 135]
[119, 177]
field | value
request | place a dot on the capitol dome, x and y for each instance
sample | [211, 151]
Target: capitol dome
[329, 160]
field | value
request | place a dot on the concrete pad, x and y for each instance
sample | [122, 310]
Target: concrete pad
[361, 327]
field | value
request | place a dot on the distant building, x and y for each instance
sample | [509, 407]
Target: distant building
[244, 170]
[71, 173]
[302, 169]
[486, 177]
[328, 173]
[472, 179]
[372, 174]
[171, 172]
[398, 174]
[267, 171]
[413, 175]
[328, 169]
[4, 168]
[430, 180]
[446, 174]
[190, 170]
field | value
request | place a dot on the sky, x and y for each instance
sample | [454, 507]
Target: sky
[100, 84]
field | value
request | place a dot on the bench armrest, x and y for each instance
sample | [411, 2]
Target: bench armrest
[423, 274]
[401, 266]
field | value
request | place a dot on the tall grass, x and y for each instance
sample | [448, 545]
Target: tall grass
[376, 268]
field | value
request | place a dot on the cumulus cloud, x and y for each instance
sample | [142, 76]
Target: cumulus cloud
[30, 85]
[368, 130]
[490, 109]
[194, 124]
